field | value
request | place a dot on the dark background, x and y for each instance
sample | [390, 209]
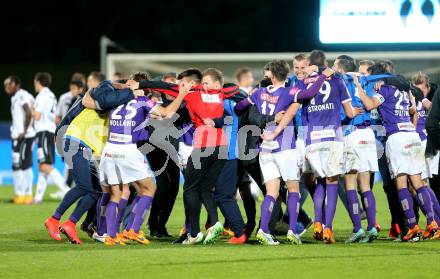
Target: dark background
[63, 36]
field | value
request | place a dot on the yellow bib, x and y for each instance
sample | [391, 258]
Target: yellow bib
[91, 128]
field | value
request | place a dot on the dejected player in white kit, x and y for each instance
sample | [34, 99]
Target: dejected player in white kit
[44, 123]
[22, 135]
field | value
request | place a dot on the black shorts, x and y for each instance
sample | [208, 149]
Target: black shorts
[46, 147]
[22, 153]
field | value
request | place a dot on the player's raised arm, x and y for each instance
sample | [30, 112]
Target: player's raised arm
[88, 101]
[159, 86]
[311, 92]
[368, 101]
[175, 104]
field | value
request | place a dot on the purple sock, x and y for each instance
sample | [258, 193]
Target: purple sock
[354, 209]
[132, 213]
[100, 213]
[424, 200]
[435, 206]
[142, 207]
[318, 199]
[121, 209]
[293, 209]
[73, 219]
[110, 218]
[370, 206]
[406, 202]
[331, 200]
[266, 212]
[56, 215]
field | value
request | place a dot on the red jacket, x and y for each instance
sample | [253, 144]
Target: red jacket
[201, 104]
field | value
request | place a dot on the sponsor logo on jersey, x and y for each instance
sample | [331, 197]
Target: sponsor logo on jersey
[269, 98]
[120, 137]
[310, 79]
[211, 98]
[294, 91]
[328, 133]
[406, 126]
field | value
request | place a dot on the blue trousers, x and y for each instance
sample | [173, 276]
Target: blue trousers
[225, 190]
[85, 174]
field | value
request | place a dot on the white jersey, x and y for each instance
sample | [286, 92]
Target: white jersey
[20, 98]
[63, 104]
[45, 103]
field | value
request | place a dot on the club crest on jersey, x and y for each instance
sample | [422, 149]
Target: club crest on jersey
[269, 98]
[294, 91]
[211, 98]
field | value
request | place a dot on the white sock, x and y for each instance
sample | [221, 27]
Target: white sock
[17, 178]
[58, 180]
[28, 178]
[41, 186]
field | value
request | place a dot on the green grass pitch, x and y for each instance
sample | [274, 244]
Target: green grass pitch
[26, 251]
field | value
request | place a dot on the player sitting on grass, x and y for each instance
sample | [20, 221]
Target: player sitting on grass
[123, 163]
[278, 156]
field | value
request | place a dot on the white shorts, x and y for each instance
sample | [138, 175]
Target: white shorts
[122, 164]
[301, 151]
[325, 159]
[405, 154]
[360, 152]
[184, 153]
[431, 164]
[282, 164]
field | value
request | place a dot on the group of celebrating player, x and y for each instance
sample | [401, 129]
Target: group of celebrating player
[316, 131]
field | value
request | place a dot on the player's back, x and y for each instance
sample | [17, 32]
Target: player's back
[128, 121]
[321, 115]
[394, 110]
[45, 103]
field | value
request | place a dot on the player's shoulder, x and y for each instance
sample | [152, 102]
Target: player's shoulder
[66, 96]
[145, 101]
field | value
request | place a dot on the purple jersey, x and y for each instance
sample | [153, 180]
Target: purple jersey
[394, 110]
[321, 116]
[128, 121]
[421, 112]
[270, 101]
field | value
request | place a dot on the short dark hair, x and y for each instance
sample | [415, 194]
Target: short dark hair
[215, 74]
[239, 73]
[78, 76]
[346, 65]
[191, 73]
[317, 57]
[44, 78]
[349, 64]
[377, 69]
[77, 83]
[388, 64]
[138, 76]
[279, 69]
[97, 75]
[15, 79]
